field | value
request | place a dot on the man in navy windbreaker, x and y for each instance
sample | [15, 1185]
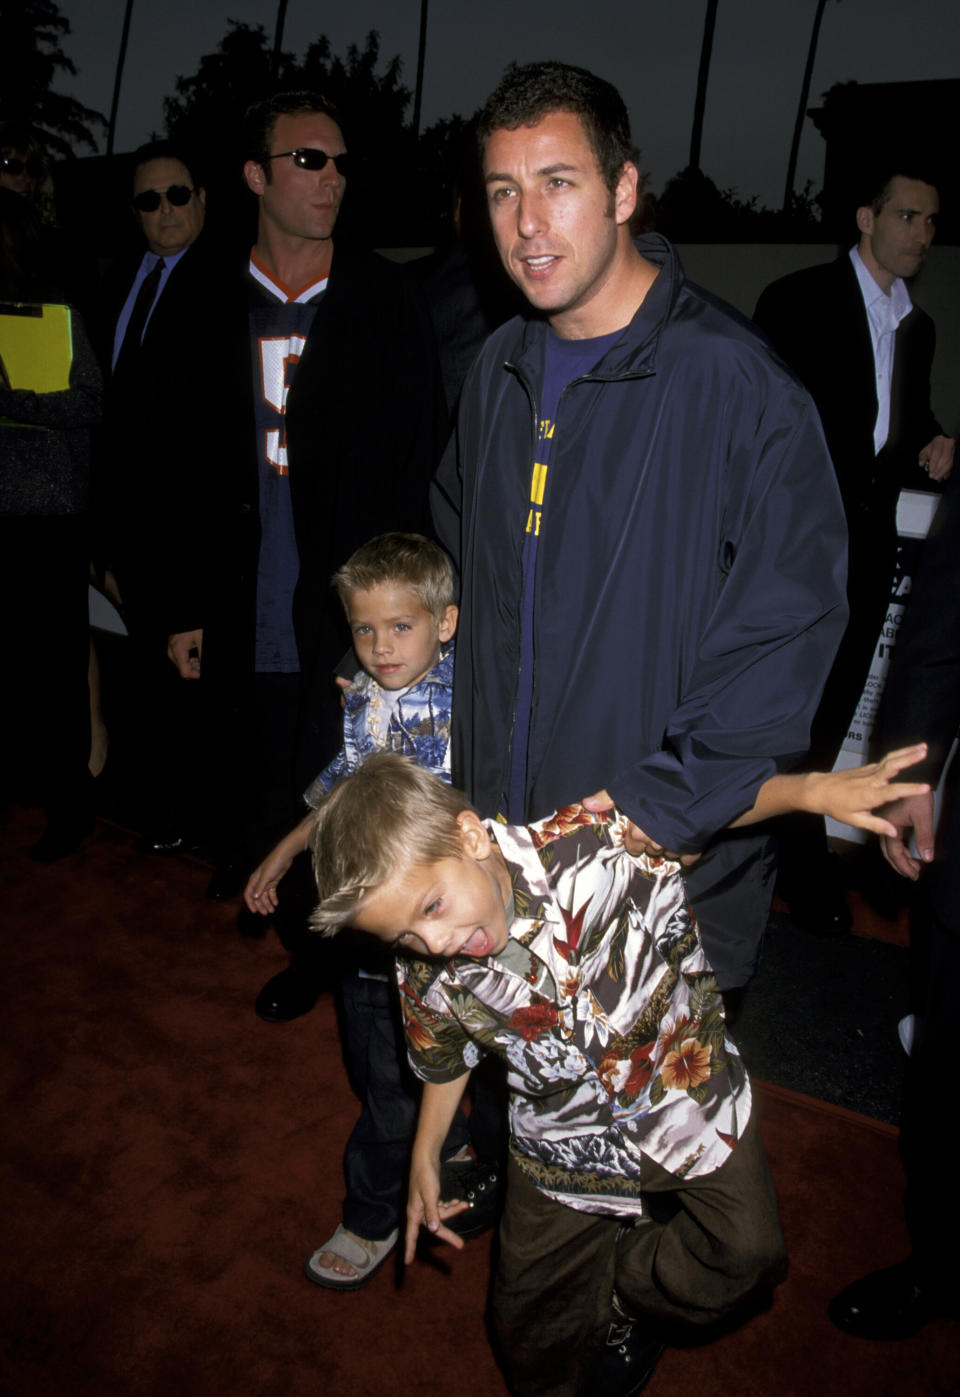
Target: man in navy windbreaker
[647, 525]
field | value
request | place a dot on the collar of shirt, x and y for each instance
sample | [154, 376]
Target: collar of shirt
[279, 290]
[147, 263]
[884, 311]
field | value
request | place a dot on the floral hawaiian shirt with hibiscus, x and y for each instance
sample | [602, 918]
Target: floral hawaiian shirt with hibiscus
[605, 1010]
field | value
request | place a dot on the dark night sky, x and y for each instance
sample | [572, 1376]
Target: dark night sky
[650, 50]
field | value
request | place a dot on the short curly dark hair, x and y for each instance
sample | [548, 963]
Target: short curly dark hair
[529, 92]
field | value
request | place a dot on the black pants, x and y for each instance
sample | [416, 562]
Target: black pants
[45, 713]
[934, 1222]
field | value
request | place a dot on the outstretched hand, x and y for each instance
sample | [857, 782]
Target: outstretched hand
[853, 795]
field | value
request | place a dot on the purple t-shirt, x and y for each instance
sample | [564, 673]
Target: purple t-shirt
[564, 361]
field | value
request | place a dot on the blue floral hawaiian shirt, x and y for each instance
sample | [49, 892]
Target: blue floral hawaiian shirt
[414, 722]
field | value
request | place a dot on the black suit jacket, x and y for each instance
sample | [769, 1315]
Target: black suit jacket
[142, 431]
[364, 423]
[818, 323]
[922, 695]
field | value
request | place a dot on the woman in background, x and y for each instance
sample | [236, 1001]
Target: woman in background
[44, 558]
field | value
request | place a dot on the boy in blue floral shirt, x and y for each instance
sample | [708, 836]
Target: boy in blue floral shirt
[397, 591]
[638, 1198]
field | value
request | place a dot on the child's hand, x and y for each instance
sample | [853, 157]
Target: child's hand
[260, 894]
[850, 796]
[424, 1208]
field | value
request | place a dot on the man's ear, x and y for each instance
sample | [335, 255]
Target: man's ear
[627, 192]
[448, 623]
[865, 217]
[473, 836]
[254, 176]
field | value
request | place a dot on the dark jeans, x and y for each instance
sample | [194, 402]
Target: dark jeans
[378, 1151]
[559, 1267]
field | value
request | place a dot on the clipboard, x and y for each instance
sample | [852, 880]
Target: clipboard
[36, 345]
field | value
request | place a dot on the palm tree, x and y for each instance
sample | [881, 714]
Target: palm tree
[421, 55]
[802, 106]
[706, 52]
[278, 39]
[118, 76]
[30, 60]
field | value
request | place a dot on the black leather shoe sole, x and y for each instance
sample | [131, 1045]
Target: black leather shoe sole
[286, 996]
[227, 882]
[887, 1304]
[60, 841]
[165, 842]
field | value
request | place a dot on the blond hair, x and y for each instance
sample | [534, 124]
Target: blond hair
[409, 559]
[389, 816]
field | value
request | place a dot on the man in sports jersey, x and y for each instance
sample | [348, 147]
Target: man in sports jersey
[315, 424]
[649, 533]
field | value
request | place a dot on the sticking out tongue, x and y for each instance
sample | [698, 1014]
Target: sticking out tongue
[479, 944]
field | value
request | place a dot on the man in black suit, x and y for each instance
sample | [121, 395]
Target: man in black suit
[922, 702]
[864, 352]
[147, 301]
[312, 392]
[147, 304]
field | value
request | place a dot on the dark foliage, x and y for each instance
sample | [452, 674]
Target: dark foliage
[399, 189]
[31, 59]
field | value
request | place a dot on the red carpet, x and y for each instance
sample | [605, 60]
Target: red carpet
[171, 1161]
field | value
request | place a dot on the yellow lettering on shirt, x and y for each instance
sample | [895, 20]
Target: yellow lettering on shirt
[538, 482]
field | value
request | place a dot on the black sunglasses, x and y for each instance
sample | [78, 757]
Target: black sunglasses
[149, 200]
[13, 165]
[308, 158]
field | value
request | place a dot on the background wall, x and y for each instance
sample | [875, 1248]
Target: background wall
[739, 271]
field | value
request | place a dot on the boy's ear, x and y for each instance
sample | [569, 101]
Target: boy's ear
[473, 835]
[448, 623]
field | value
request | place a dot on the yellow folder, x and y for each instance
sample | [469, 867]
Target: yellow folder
[36, 345]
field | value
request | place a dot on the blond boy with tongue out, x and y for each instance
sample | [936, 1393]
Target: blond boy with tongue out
[639, 1199]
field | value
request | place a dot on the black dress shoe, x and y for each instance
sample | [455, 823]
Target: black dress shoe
[888, 1304]
[62, 838]
[629, 1356]
[229, 880]
[286, 996]
[167, 841]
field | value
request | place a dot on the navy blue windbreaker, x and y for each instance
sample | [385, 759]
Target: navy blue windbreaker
[690, 580]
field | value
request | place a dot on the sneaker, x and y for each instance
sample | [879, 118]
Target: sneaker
[476, 1184]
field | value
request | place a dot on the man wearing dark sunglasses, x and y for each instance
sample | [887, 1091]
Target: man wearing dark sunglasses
[167, 204]
[316, 425]
[147, 304]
